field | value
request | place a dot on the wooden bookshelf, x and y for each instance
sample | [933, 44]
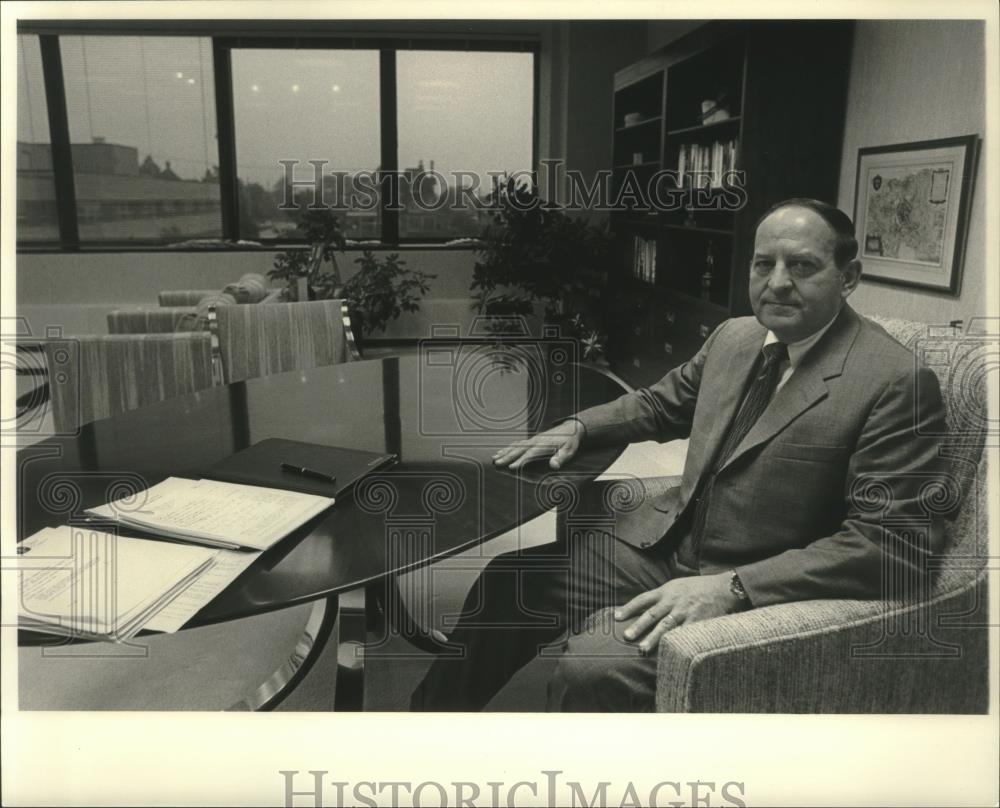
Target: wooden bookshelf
[782, 87]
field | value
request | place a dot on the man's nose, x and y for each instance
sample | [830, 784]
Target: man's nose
[779, 278]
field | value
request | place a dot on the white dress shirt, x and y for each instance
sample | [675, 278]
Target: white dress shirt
[796, 350]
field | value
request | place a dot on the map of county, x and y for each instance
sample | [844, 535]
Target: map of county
[906, 214]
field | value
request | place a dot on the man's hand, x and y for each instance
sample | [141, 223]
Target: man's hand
[561, 442]
[679, 601]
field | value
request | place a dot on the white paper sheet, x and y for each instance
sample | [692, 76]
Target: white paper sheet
[228, 565]
[221, 513]
[90, 582]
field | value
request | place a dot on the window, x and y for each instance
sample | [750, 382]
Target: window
[36, 190]
[141, 114]
[325, 105]
[461, 116]
[157, 159]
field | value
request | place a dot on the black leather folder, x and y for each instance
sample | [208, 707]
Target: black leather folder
[261, 464]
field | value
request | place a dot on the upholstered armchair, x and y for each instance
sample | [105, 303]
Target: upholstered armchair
[258, 341]
[928, 655]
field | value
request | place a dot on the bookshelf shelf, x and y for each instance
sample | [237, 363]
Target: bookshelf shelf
[652, 220]
[716, 231]
[707, 128]
[782, 138]
[643, 284]
[644, 164]
[698, 302]
[639, 145]
[647, 122]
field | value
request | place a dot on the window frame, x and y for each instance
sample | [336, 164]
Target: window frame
[223, 42]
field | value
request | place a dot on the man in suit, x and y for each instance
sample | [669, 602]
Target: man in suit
[808, 464]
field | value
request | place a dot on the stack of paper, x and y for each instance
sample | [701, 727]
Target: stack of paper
[96, 585]
[215, 513]
[227, 566]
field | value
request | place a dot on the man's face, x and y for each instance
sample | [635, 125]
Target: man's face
[795, 285]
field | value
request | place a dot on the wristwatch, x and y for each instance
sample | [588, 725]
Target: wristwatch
[736, 587]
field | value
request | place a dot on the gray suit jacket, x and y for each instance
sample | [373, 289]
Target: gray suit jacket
[831, 493]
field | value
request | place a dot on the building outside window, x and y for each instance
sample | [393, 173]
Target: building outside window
[142, 124]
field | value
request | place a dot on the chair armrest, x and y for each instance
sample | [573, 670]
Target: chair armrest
[837, 656]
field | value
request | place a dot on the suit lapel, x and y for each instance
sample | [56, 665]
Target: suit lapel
[807, 384]
[725, 394]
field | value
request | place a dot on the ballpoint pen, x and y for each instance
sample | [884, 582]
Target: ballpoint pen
[306, 472]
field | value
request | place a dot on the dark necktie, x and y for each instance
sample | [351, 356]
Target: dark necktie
[756, 400]
[758, 395]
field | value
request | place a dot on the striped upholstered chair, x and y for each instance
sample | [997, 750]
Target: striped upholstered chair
[277, 337]
[183, 297]
[927, 655]
[93, 377]
[163, 320]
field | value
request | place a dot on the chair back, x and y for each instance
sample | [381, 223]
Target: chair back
[259, 340]
[164, 320]
[93, 377]
[183, 297]
[962, 363]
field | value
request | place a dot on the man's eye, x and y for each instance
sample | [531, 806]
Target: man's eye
[763, 266]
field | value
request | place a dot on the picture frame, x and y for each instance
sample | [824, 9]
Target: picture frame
[911, 211]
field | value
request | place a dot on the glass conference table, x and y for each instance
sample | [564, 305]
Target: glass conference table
[443, 411]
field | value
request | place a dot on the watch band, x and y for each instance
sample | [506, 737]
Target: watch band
[736, 587]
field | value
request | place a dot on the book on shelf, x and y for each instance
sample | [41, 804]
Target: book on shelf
[214, 513]
[705, 165]
[644, 259]
[88, 583]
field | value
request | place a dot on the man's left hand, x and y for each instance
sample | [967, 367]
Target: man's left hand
[678, 601]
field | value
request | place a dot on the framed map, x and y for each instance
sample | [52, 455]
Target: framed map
[911, 210]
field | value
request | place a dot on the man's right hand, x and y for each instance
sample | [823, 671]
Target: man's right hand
[561, 442]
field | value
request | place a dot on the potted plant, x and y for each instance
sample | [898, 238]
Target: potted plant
[304, 271]
[535, 256]
[381, 290]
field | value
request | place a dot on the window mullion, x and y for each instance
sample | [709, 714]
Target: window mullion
[62, 152]
[390, 147]
[226, 138]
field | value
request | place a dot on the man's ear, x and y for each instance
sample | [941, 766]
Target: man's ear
[850, 275]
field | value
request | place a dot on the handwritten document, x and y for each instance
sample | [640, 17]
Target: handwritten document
[228, 565]
[221, 514]
[84, 582]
